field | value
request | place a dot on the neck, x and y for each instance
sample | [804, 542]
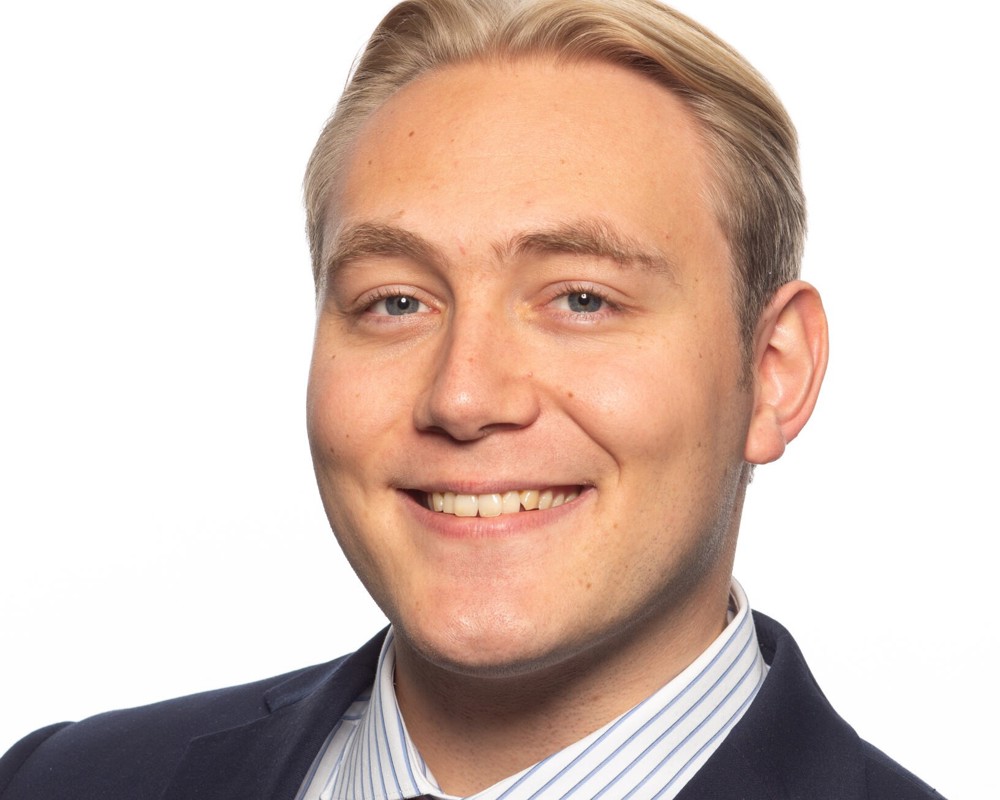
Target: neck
[474, 730]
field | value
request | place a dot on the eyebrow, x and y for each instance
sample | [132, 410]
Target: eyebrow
[368, 239]
[589, 237]
[583, 237]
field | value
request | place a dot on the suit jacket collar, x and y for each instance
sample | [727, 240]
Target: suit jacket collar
[269, 757]
[789, 744]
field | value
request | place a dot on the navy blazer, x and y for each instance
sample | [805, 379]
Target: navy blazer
[257, 741]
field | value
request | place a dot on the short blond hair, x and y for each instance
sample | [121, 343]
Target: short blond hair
[756, 193]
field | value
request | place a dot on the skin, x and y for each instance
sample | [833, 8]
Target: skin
[522, 633]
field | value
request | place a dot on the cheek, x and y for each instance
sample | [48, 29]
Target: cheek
[631, 404]
[328, 416]
[349, 402]
[656, 404]
[344, 423]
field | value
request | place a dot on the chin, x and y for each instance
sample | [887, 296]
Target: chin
[494, 644]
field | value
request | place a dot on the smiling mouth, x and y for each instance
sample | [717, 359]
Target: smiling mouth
[495, 505]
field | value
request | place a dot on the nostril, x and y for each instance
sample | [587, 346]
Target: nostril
[475, 388]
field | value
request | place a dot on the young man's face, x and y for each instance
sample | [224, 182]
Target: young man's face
[530, 293]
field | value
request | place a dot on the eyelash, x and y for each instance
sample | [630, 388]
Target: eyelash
[589, 289]
[365, 303]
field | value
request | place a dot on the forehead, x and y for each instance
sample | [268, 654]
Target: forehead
[552, 141]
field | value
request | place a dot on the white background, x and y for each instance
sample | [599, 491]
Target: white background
[159, 529]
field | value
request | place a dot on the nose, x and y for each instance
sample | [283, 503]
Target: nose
[481, 382]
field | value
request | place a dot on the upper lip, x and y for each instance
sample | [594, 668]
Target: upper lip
[492, 486]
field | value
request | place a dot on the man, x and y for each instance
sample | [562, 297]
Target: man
[556, 249]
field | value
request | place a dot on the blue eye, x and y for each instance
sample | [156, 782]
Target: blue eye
[584, 302]
[397, 305]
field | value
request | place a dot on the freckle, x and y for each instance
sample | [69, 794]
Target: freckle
[411, 133]
[570, 395]
[589, 584]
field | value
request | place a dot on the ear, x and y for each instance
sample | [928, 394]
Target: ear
[790, 354]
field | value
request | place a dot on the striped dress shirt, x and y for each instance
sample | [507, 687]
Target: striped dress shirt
[648, 752]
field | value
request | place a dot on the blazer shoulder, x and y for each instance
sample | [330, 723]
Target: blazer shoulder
[14, 758]
[887, 780]
[882, 777]
[88, 758]
[792, 743]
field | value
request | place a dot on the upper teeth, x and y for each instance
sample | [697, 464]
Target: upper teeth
[493, 505]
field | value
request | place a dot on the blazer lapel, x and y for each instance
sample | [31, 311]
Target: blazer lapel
[268, 758]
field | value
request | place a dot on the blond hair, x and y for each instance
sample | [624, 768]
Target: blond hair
[757, 194]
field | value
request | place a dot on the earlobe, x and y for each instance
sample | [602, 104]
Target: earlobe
[790, 358]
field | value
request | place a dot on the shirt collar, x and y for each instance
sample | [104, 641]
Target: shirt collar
[652, 750]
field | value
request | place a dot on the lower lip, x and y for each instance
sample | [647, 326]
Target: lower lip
[457, 527]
